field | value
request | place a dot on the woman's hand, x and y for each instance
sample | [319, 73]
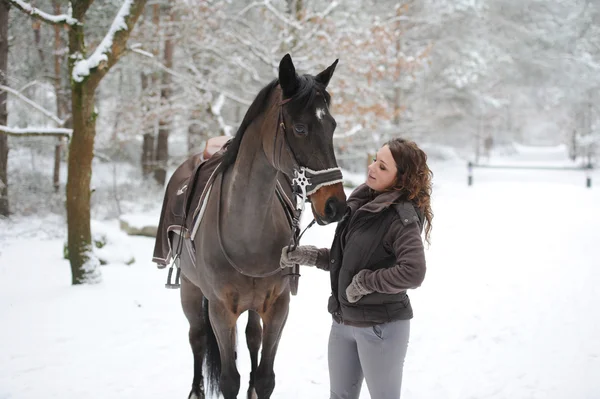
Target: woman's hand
[302, 255]
[357, 289]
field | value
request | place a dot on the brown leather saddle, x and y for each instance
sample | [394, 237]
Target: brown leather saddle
[183, 195]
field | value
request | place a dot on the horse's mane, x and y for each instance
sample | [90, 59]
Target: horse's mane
[305, 94]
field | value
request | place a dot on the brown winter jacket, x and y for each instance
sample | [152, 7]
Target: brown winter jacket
[381, 233]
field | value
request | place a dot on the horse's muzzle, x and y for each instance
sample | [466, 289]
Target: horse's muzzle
[329, 204]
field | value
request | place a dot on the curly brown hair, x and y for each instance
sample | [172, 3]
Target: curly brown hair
[413, 178]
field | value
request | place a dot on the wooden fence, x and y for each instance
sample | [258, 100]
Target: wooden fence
[585, 168]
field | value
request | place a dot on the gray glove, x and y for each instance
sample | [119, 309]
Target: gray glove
[302, 255]
[357, 289]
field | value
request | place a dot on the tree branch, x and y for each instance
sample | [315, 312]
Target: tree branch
[203, 86]
[36, 13]
[36, 131]
[267, 4]
[113, 46]
[33, 104]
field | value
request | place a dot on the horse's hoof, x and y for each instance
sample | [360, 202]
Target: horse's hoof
[252, 393]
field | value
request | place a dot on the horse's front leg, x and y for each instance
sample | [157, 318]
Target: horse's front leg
[274, 318]
[253, 340]
[223, 321]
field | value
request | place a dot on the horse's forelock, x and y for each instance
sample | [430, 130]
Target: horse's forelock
[308, 87]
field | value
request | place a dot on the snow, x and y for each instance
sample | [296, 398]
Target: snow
[111, 244]
[351, 132]
[48, 17]
[82, 68]
[218, 104]
[91, 267]
[38, 131]
[508, 308]
[216, 108]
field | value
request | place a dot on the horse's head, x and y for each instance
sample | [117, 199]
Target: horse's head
[304, 139]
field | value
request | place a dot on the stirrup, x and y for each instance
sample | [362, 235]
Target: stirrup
[175, 285]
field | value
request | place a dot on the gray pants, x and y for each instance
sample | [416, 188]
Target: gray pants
[372, 353]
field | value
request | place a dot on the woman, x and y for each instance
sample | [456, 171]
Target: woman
[376, 255]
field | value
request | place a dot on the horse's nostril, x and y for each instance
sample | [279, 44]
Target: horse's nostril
[331, 208]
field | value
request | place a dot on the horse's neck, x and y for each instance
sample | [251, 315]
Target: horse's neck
[254, 226]
[250, 184]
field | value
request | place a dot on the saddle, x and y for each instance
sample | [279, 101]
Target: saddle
[183, 196]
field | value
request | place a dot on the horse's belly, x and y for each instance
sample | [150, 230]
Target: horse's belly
[187, 259]
[218, 280]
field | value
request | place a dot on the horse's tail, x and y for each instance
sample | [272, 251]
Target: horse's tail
[212, 357]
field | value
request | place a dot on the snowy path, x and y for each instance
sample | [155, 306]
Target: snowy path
[508, 308]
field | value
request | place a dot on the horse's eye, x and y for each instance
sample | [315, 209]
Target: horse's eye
[300, 128]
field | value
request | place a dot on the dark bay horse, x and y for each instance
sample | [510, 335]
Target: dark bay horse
[234, 266]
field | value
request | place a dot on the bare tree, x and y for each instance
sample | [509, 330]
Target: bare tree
[164, 123]
[61, 91]
[149, 95]
[86, 74]
[4, 208]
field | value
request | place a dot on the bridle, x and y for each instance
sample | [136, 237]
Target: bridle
[305, 182]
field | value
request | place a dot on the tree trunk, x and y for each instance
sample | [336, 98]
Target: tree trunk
[36, 25]
[162, 154]
[62, 104]
[151, 100]
[147, 154]
[4, 208]
[398, 73]
[81, 153]
[147, 160]
[164, 124]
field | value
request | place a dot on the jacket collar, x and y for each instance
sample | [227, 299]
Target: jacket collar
[364, 198]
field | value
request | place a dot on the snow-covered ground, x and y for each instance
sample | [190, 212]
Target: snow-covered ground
[508, 308]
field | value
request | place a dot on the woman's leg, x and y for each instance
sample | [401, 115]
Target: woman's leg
[382, 350]
[345, 373]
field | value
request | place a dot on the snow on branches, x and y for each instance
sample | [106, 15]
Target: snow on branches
[104, 50]
[39, 14]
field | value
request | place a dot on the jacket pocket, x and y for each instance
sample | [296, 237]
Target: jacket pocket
[377, 298]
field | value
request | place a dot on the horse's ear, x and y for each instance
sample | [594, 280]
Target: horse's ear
[288, 80]
[326, 75]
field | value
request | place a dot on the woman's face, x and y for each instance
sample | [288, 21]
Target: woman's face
[382, 172]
